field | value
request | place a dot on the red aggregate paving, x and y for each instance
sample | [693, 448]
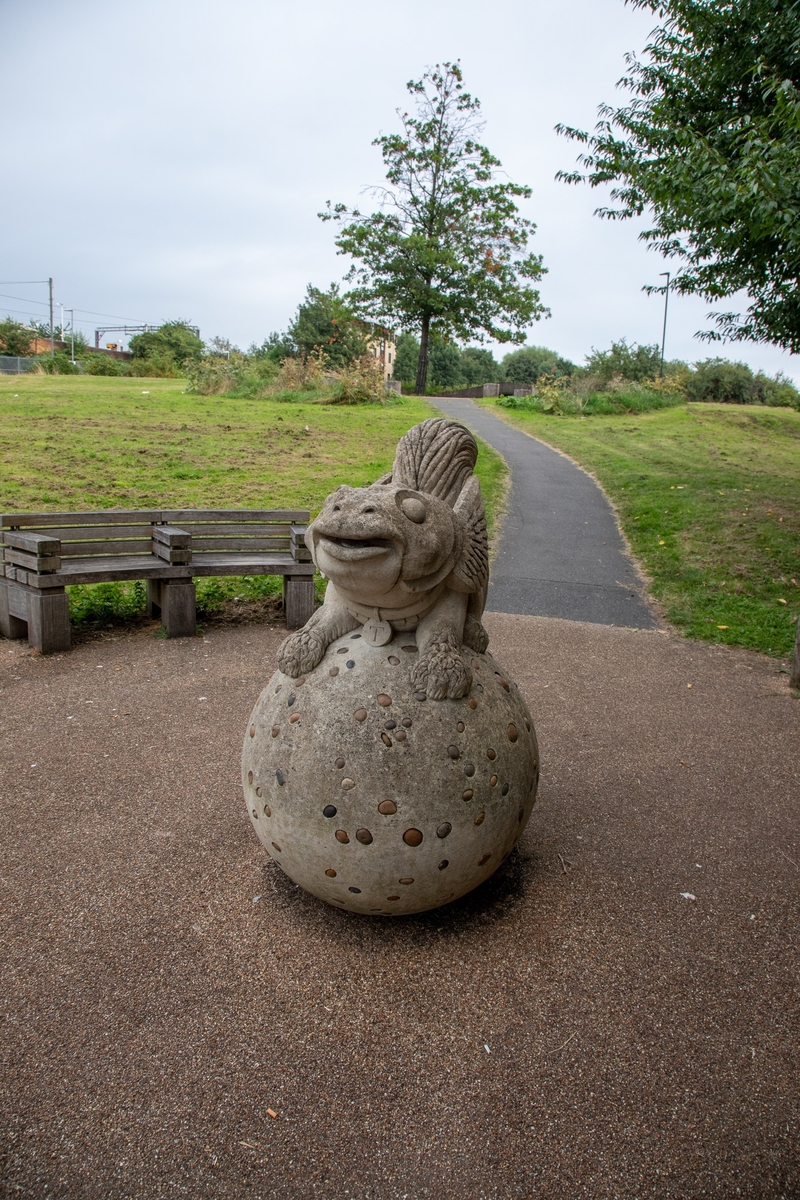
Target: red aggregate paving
[575, 1028]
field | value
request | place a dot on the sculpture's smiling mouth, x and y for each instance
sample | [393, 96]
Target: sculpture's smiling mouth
[352, 548]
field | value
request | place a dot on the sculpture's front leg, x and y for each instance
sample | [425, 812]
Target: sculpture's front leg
[441, 671]
[304, 650]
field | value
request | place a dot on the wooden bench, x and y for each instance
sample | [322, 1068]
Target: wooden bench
[43, 553]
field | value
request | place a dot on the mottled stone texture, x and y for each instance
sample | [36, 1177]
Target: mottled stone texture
[378, 799]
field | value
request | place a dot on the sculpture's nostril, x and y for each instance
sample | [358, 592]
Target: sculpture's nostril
[368, 509]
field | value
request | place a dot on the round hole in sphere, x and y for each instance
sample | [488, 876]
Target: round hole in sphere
[413, 837]
[364, 836]
[527, 725]
[329, 810]
[356, 890]
[387, 807]
[444, 829]
[331, 873]
[267, 811]
[444, 863]
[520, 814]
[341, 836]
[354, 637]
[343, 650]
[468, 794]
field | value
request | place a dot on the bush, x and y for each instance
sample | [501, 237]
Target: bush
[360, 383]
[15, 339]
[55, 364]
[104, 364]
[167, 348]
[726, 382]
[528, 365]
[634, 362]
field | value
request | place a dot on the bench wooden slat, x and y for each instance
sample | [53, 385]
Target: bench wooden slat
[249, 564]
[233, 544]
[109, 516]
[183, 516]
[72, 533]
[32, 562]
[106, 570]
[234, 529]
[82, 549]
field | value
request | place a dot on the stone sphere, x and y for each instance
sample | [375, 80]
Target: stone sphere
[377, 799]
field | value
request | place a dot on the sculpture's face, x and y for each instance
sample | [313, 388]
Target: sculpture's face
[367, 540]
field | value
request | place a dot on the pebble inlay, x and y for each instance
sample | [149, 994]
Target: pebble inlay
[384, 700]
[505, 789]
[394, 660]
[339, 764]
[473, 703]
[277, 847]
[356, 890]
[483, 860]
[390, 725]
[360, 714]
[252, 731]
[401, 735]
[444, 829]
[444, 863]
[341, 836]
[364, 836]
[491, 754]
[406, 881]
[387, 741]
[329, 810]
[275, 730]
[250, 778]
[409, 649]
[469, 770]
[350, 664]
[392, 897]
[387, 807]
[343, 650]
[294, 718]
[280, 777]
[493, 781]
[290, 701]
[513, 733]
[481, 817]
[331, 873]
[348, 785]
[460, 726]
[412, 837]
[420, 696]
[468, 794]
[454, 752]
[406, 722]
[334, 671]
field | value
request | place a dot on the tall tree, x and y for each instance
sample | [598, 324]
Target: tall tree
[710, 146]
[325, 321]
[446, 253]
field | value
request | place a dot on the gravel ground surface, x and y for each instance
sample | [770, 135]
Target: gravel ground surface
[615, 1014]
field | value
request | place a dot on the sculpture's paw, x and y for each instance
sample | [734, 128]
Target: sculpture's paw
[475, 636]
[301, 652]
[442, 673]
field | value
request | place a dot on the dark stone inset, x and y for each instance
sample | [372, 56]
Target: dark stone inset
[356, 890]
[468, 794]
[444, 864]
[341, 836]
[513, 733]
[481, 817]
[392, 897]
[413, 837]
[401, 735]
[409, 649]
[454, 752]
[350, 664]
[360, 714]
[290, 701]
[277, 847]
[280, 777]
[387, 741]
[504, 684]
[354, 637]
[444, 829]
[483, 860]
[387, 807]
[364, 836]
[491, 753]
[339, 764]
[330, 873]
[469, 770]
[250, 778]
[329, 810]
[420, 696]
[406, 722]
[405, 881]
[390, 725]
[505, 789]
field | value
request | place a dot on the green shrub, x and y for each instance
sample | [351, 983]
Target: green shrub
[633, 362]
[94, 604]
[104, 364]
[530, 363]
[15, 339]
[726, 382]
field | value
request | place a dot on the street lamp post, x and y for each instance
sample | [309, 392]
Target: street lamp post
[664, 331]
[71, 312]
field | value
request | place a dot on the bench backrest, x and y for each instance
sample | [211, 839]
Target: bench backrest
[112, 533]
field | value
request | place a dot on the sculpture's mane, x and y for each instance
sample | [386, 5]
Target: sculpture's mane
[436, 457]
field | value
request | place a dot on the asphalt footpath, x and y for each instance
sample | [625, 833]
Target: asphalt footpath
[561, 553]
[613, 1015]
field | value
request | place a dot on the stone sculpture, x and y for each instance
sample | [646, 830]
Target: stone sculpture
[389, 765]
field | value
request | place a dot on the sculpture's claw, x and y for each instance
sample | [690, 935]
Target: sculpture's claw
[475, 636]
[442, 673]
[302, 651]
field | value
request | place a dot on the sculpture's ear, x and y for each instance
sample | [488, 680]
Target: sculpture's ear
[472, 569]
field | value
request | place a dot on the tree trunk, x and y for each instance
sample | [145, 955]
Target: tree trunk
[422, 361]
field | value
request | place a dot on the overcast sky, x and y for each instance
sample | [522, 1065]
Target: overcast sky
[167, 158]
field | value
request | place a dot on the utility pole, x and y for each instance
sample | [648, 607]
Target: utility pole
[71, 312]
[52, 343]
[664, 331]
[61, 306]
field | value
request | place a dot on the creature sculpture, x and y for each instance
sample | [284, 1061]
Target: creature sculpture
[408, 553]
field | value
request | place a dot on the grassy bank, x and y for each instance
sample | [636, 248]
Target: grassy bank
[709, 498]
[76, 443]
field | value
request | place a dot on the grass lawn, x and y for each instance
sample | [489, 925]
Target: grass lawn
[709, 498]
[77, 443]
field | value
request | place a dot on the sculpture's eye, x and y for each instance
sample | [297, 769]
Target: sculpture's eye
[414, 509]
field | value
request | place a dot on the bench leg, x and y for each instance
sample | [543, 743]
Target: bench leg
[153, 597]
[11, 625]
[298, 599]
[48, 621]
[178, 609]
